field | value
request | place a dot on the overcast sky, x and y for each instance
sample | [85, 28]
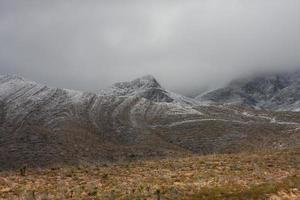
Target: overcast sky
[187, 45]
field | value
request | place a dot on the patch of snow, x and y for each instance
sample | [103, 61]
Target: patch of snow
[204, 120]
[74, 95]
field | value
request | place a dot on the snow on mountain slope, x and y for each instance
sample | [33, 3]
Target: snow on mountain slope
[23, 97]
[279, 92]
[132, 87]
[148, 88]
[41, 125]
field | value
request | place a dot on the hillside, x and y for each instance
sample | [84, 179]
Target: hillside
[139, 119]
[277, 92]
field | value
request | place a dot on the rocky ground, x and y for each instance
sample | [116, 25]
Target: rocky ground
[256, 175]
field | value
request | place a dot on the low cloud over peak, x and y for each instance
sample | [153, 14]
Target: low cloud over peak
[187, 45]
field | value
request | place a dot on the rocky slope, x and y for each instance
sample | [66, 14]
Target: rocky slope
[41, 126]
[280, 92]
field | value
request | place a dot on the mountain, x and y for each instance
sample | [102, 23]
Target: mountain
[148, 88]
[46, 126]
[279, 92]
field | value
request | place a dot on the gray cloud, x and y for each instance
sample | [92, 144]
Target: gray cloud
[187, 45]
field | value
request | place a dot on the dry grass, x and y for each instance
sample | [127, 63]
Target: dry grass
[262, 175]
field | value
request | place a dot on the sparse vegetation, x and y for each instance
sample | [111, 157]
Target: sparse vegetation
[23, 171]
[290, 186]
[261, 175]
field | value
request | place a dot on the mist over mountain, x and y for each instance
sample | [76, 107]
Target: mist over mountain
[186, 45]
[272, 91]
[159, 99]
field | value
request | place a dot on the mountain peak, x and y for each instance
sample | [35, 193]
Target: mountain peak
[148, 77]
[143, 82]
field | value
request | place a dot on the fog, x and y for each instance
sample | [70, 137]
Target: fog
[186, 45]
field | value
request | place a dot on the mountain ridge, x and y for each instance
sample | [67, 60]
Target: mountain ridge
[278, 92]
[45, 126]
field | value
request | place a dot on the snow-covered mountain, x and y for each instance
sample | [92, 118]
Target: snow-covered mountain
[148, 88]
[279, 92]
[53, 123]
[41, 125]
